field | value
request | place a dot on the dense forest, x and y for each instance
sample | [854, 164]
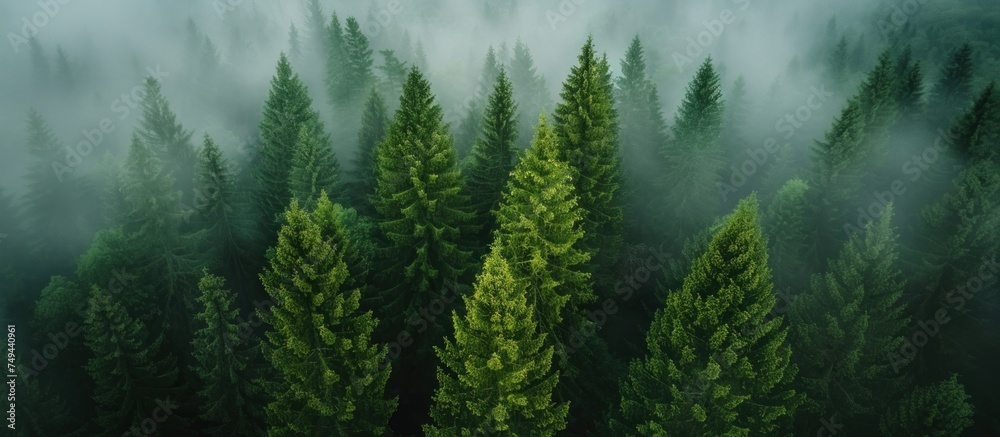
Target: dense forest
[471, 218]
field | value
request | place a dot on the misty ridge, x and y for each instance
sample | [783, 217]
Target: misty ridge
[511, 217]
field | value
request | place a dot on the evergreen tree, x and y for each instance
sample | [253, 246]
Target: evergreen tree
[693, 156]
[787, 227]
[910, 88]
[846, 326]
[838, 64]
[877, 99]
[529, 92]
[587, 127]
[314, 167]
[394, 71]
[329, 381]
[496, 374]
[160, 130]
[356, 76]
[493, 157]
[643, 133]
[231, 393]
[717, 364]
[421, 210]
[336, 58]
[316, 31]
[374, 123]
[976, 132]
[954, 87]
[294, 45]
[471, 126]
[941, 409]
[228, 232]
[41, 412]
[287, 109]
[132, 376]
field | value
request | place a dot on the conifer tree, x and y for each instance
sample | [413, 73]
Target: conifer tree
[314, 167]
[717, 364]
[643, 133]
[587, 127]
[910, 88]
[336, 56]
[357, 76]
[976, 132]
[942, 409]
[878, 103]
[954, 87]
[838, 64]
[132, 376]
[330, 382]
[232, 394]
[394, 71]
[846, 326]
[493, 157]
[224, 217]
[787, 227]
[287, 109]
[41, 412]
[496, 374]
[422, 213]
[693, 156]
[374, 123]
[294, 45]
[529, 92]
[471, 126]
[160, 130]
[316, 30]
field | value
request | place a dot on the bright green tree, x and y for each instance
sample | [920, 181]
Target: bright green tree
[496, 375]
[132, 375]
[421, 210]
[587, 127]
[231, 395]
[717, 363]
[329, 379]
[493, 157]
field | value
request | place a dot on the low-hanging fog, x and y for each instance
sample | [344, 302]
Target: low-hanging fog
[832, 115]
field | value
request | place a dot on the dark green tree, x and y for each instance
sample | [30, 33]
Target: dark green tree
[496, 374]
[787, 227]
[314, 167]
[694, 157]
[329, 379]
[909, 88]
[976, 132]
[231, 394]
[587, 127]
[493, 157]
[529, 91]
[159, 129]
[717, 363]
[954, 86]
[374, 124]
[356, 77]
[878, 102]
[133, 377]
[422, 212]
[942, 409]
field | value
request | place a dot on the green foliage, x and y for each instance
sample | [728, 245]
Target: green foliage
[529, 91]
[421, 210]
[694, 157]
[170, 142]
[976, 132]
[394, 71]
[496, 375]
[939, 410]
[58, 304]
[41, 412]
[493, 156]
[329, 380]
[231, 393]
[314, 167]
[356, 76]
[787, 227]
[954, 86]
[132, 377]
[374, 123]
[717, 363]
[587, 128]
[837, 64]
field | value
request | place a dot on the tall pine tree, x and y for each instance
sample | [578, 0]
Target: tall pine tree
[374, 124]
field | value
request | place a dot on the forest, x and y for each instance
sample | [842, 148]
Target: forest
[500, 218]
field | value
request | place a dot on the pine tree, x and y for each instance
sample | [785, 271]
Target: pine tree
[529, 91]
[357, 76]
[330, 381]
[954, 87]
[643, 133]
[133, 378]
[228, 231]
[693, 156]
[160, 130]
[316, 31]
[394, 71]
[374, 123]
[838, 64]
[717, 364]
[294, 45]
[496, 374]
[843, 329]
[287, 109]
[976, 132]
[942, 409]
[314, 167]
[493, 157]
[910, 88]
[787, 227]
[231, 394]
[587, 127]
[877, 99]
[472, 125]
[336, 57]
[421, 210]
